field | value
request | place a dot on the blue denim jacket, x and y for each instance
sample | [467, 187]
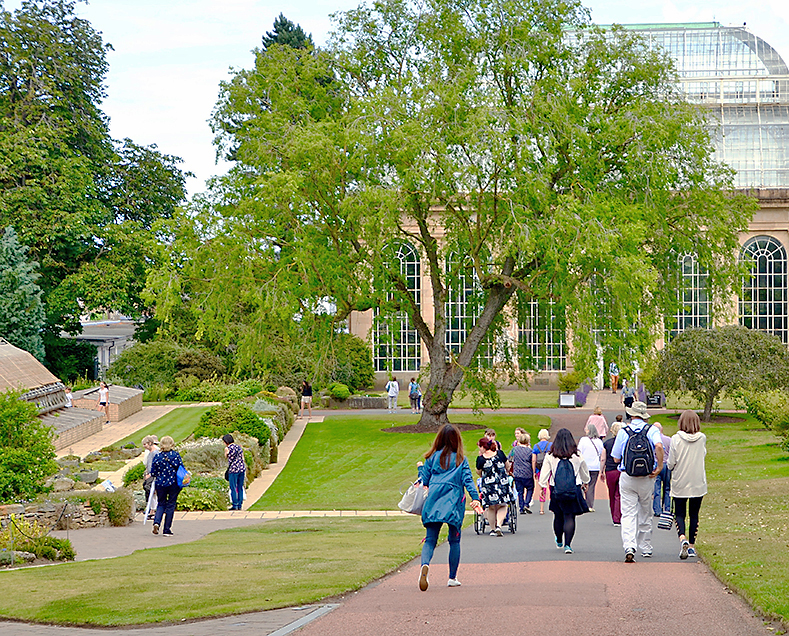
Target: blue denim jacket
[446, 500]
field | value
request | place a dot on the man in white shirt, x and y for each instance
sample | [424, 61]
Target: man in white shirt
[392, 391]
[636, 490]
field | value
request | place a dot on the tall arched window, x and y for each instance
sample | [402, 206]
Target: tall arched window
[763, 298]
[541, 335]
[693, 295]
[464, 304]
[396, 344]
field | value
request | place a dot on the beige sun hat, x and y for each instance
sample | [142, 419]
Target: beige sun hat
[639, 409]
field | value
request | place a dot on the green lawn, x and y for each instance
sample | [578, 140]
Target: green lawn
[744, 524]
[274, 564]
[349, 462]
[178, 424]
[515, 399]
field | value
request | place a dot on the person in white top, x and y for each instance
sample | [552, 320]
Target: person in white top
[392, 391]
[688, 478]
[103, 403]
[591, 448]
[69, 402]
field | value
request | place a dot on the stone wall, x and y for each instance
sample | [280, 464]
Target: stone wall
[77, 515]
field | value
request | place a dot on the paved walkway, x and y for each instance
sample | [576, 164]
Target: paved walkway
[518, 584]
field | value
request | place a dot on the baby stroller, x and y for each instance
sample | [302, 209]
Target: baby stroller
[511, 520]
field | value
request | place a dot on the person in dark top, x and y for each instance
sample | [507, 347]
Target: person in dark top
[495, 493]
[610, 473]
[306, 398]
[236, 471]
[164, 467]
[522, 470]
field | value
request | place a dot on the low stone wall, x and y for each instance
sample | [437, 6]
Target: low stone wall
[363, 402]
[77, 515]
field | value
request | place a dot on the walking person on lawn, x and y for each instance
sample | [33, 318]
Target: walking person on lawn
[638, 450]
[446, 474]
[689, 478]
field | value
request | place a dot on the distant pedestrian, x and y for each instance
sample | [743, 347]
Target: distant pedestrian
[661, 499]
[538, 454]
[69, 398]
[638, 467]
[591, 448]
[164, 467]
[306, 398]
[610, 473]
[491, 435]
[598, 419]
[628, 394]
[236, 471]
[689, 479]
[565, 508]
[446, 474]
[522, 470]
[613, 373]
[414, 395]
[151, 446]
[392, 392]
[103, 401]
[494, 492]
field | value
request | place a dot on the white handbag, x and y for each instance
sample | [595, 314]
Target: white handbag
[413, 499]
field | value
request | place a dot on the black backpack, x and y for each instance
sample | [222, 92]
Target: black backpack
[639, 455]
[564, 487]
[540, 455]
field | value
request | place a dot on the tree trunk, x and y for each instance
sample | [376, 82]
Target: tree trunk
[705, 417]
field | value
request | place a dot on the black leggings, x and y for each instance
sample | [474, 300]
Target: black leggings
[694, 505]
[564, 524]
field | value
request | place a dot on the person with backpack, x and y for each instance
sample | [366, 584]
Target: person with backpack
[414, 395]
[539, 452]
[566, 472]
[638, 450]
[522, 471]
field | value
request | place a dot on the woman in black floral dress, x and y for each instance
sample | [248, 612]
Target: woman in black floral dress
[495, 492]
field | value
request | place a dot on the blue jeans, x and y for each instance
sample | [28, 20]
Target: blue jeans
[236, 489]
[662, 483]
[167, 497]
[521, 484]
[431, 539]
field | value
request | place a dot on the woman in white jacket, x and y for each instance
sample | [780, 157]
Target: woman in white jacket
[688, 478]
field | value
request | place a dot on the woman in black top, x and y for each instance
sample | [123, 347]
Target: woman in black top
[494, 492]
[306, 398]
[610, 473]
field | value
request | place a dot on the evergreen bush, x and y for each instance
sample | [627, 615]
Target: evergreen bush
[227, 418]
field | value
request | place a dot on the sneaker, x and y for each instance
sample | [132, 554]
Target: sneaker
[498, 532]
[528, 510]
[647, 554]
[683, 553]
[559, 544]
[423, 577]
[167, 534]
[691, 552]
[568, 549]
[591, 509]
[630, 555]
[492, 533]
[453, 583]
[156, 530]
[617, 525]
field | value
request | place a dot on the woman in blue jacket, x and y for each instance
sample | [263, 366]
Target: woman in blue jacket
[445, 474]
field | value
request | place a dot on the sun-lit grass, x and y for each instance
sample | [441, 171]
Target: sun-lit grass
[274, 564]
[516, 399]
[681, 401]
[351, 462]
[744, 525]
[178, 424]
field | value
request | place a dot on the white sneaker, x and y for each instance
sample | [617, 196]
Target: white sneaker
[453, 583]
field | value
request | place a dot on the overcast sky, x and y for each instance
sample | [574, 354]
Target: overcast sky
[170, 55]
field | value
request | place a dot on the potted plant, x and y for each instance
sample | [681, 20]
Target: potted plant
[568, 383]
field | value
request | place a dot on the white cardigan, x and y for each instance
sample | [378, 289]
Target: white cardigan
[686, 462]
[549, 468]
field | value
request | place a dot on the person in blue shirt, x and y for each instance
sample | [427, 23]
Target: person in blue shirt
[635, 493]
[445, 473]
[164, 467]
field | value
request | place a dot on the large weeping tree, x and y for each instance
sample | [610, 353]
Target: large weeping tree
[509, 138]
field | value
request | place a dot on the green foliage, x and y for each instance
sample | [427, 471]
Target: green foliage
[281, 417]
[81, 202]
[70, 359]
[21, 309]
[230, 417]
[708, 362]
[338, 391]
[771, 409]
[206, 454]
[118, 504]
[203, 499]
[569, 382]
[353, 362]
[161, 362]
[286, 33]
[27, 455]
[208, 482]
[135, 473]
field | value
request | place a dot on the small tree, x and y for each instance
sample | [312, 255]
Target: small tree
[771, 408]
[26, 451]
[21, 310]
[708, 362]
